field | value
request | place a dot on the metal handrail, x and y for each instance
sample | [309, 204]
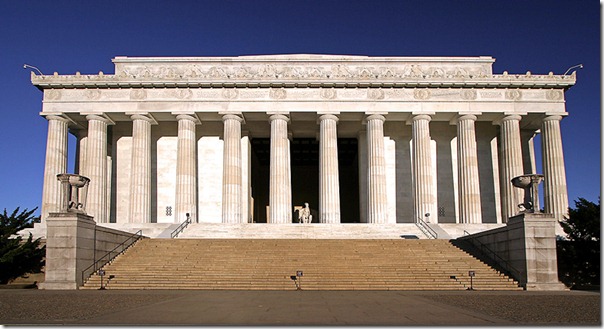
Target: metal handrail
[95, 267]
[423, 226]
[181, 227]
[504, 264]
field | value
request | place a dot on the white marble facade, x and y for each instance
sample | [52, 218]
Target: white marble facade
[163, 137]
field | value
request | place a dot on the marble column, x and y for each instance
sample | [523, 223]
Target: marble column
[232, 205]
[140, 172]
[329, 179]
[96, 167]
[423, 190]
[280, 197]
[554, 183]
[510, 149]
[186, 173]
[377, 200]
[55, 163]
[468, 181]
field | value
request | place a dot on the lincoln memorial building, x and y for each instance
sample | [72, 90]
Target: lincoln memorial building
[251, 139]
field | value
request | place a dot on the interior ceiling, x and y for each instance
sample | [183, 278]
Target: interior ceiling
[305, 151]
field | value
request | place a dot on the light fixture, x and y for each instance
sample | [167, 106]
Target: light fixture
[578, 66]
[26, 66]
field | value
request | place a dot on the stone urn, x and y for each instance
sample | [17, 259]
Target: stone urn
[75, 191]
[530, 184]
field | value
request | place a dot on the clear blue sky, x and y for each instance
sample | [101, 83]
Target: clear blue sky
[70, 36]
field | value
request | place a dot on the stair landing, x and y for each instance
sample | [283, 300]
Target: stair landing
[301, 231]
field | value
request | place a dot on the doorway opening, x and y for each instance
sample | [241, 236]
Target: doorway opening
[304, 157]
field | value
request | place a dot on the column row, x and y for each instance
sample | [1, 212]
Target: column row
[94, 165]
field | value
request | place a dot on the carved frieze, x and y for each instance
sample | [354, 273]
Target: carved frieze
[468, 94]
[93, 94]
[230, 93]
[181, 93]
[554, 95]
[513, 94]
[138, 94]
[375, 93]
[421, 94]
[298, 72]
[277, 93]
[52, 94]
[328, 93]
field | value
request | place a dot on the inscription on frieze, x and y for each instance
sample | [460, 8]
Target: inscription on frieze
[490, 94]
[297, 72]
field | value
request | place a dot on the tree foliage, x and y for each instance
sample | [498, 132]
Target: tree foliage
[579, 253]
[18, 257]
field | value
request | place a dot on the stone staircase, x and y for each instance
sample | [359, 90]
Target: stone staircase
[327, 264]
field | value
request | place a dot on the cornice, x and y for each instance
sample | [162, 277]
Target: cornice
[494, 81]
[303, 71]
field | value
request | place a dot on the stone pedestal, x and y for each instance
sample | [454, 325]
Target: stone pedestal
[533, 237]
[69, 249]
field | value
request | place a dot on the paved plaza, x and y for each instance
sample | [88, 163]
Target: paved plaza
[398, 308]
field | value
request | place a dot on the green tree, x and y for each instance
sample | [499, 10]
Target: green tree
[18, 257]
[579, 252]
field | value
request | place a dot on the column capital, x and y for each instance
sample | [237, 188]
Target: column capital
[508, 117]
[143, 116]
[416, 117]
[555, 117]
[371, 117]
[328, 116]
[100, 117]
[467, 117]
[232, 116]
[57, 116]
[187, 116]
[278, 116]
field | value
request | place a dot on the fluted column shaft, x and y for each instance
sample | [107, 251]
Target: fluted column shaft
[140, 172]
[232, 171]
[280, 198]
[554, 188]
[329, 179]
[186, 178]
[377, 200]
[423, 192]
[510, 148]
[467, 155]
[55, 163]
[96, 167]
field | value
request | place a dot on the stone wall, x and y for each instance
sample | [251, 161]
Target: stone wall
[528, 244]
[73, 242]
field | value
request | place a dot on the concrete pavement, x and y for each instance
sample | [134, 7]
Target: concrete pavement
[409, 308]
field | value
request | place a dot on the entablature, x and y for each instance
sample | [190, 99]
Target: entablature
[303, 71]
